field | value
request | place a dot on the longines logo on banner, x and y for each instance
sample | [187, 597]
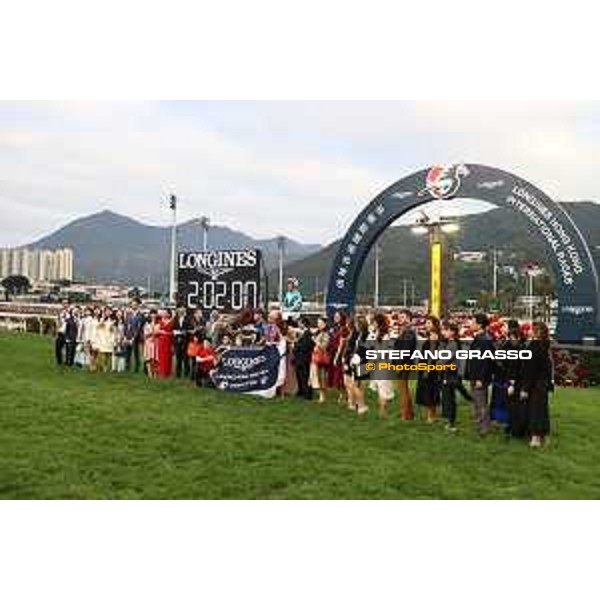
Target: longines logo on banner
[443, 181]
[578, 310]
[243, 363]
[490, 185]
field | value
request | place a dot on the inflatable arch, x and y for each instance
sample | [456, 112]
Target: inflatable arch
[577, 287]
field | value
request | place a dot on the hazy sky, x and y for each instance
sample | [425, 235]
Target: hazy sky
[298, 169]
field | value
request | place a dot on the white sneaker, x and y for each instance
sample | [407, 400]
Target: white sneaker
[362, 410]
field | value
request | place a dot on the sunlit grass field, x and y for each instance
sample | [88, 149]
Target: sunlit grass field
[73, 434]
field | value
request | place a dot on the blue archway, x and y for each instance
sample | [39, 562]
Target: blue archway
[577, 287]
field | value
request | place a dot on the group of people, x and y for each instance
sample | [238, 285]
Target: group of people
[106, 339]
[163, 342]
[320, 357]
[513, 393]
[100, 338]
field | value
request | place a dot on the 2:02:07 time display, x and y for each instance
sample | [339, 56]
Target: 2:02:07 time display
[221, 295]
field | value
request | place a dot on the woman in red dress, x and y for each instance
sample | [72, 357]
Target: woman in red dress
[165, 344]
[337, 345]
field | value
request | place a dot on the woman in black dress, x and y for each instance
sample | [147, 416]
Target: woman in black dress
[536, 384]
[448, 379]
[428, 384]
[303, 350]
[354, 359]
[511, 370]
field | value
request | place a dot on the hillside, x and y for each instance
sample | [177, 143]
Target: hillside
[112, 247]
[403, 255]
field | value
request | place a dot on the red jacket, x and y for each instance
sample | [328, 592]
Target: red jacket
[206, 358]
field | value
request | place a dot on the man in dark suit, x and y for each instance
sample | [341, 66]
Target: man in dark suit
[134, 335]
[184, 327]
[406, 340]
[71, 329]
[303, 350]
[61, 330]
[479, 372]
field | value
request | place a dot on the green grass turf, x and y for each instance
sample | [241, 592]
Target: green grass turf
[73, 434]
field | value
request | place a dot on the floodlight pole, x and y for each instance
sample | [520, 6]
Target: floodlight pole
[435, 231]
[495, 272]
[377, 261]
[205, 224]
[530, 280]
[172, 283]
[435, 250]
[281, 249]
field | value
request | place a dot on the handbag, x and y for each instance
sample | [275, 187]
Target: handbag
[80, 357]
[321, 357]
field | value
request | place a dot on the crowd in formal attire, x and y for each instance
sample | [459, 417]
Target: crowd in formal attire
[322, 360]
[100, 338]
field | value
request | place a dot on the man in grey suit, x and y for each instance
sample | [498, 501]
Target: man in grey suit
[479, 372]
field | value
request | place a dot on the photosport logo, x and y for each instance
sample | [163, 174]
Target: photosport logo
[443, 181]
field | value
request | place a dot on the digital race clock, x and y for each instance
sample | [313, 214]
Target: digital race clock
[223, 280]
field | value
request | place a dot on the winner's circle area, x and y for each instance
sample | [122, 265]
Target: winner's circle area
[578, 288]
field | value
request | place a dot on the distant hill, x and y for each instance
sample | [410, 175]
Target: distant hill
[112, 247]
[404, 256]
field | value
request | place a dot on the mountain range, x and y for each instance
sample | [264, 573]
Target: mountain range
[110, 247]
[404, 256]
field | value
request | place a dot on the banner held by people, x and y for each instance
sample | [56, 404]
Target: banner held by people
[250, 370]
